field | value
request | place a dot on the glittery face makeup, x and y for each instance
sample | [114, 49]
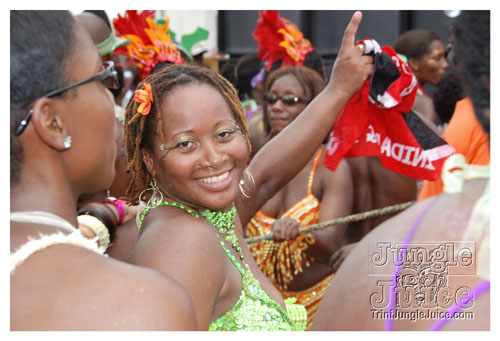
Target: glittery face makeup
[435, 57]
[205, 152]
[186, 143]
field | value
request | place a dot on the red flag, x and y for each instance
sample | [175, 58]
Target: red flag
[377, 121]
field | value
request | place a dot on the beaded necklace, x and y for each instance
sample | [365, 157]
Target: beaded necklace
[222, 220]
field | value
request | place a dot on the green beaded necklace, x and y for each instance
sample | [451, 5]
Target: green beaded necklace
[143, 213]
[222, 220]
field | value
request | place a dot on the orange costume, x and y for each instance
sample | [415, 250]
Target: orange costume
[279, 261]
[465, 134]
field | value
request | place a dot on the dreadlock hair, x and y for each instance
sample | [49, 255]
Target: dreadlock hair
[311, 82]
[140, 129]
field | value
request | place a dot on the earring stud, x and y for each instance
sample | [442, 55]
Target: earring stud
[67, 142]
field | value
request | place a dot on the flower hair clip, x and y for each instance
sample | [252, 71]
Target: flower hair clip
[145, 97]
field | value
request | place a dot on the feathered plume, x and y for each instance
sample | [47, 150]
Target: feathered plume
[150, 43]
[279, 38]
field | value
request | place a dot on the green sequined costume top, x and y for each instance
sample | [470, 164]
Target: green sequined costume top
[255, 310]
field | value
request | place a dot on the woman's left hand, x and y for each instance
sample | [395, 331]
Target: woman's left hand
[285, 229]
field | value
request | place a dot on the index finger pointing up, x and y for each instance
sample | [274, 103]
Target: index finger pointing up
[350, 31]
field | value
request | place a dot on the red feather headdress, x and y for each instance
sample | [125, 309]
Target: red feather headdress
[150, 43]
[279, 38]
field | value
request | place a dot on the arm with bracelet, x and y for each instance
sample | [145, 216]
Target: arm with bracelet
[98, 219]
[119, 205]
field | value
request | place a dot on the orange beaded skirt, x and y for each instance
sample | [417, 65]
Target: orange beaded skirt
[310, 298]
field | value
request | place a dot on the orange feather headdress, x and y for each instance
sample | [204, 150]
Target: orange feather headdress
[280, 39]
[150, 42]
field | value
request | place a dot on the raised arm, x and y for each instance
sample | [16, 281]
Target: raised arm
[286, 154]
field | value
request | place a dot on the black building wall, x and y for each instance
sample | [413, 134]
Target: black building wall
[325, 28]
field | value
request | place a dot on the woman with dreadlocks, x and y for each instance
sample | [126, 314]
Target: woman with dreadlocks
[187, 143]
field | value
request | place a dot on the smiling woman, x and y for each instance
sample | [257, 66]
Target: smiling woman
[206, 152]
[190, 173]
[195, 162]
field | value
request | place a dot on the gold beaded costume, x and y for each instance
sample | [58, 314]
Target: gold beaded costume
[280, 261]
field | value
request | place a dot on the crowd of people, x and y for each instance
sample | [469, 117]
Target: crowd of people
[149, 191]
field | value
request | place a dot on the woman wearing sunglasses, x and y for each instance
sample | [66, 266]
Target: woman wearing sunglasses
[62, 142]
[297, 263]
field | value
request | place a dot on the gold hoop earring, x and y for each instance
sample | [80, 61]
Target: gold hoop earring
[250, 192]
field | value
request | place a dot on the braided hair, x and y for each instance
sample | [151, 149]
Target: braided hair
[140, 129]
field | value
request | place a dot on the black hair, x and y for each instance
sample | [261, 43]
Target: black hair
[118, 91]
[414, 43]
[245, 69]
[472, 46]
[313, 60]
[101, 14]
[227, 70]
[448, 92]
[40, 42]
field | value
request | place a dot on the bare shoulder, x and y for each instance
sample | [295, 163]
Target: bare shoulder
[170, 235]
[185, 248]
[66, 287]
[146, 299]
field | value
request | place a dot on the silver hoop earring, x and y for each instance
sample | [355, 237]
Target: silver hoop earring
[67, 142]
[248, 181]
[155, 196]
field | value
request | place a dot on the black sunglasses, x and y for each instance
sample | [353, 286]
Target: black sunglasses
[286, 99]
[108, 77]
